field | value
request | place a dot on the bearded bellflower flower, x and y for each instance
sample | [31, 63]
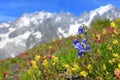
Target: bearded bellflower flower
[80, 51]
[80, 30]
[75, 41]
[88, 48]
[79, 54]
[84, 41]
[81, 47]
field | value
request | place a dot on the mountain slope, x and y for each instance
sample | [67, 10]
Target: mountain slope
[40, 27]
[57, 59]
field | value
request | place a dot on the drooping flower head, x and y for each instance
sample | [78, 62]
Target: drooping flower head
[79, 54]
[84, 41]
[75, 41]
[80, 30]
[82, 49]
[77, 46]
[88, 48]
[82, 46]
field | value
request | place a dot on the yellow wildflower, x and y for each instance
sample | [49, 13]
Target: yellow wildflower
[115, 32]
[50, 47]
[104, 31]
[113, 35]
[104, 67]
[66, 66]
[83, 73]
[45, 57]
[34, 65]
[119, 66]
[116, 69]
[89, 66]
[113, 60]
[112, 24]
[75, 68]
[55, 59]
[30, 71]
[98, 36]
[37, 57]
[115, 55]
[109, 47]
[33, 62]
[93, 35]
[98, 51]
[115, 41]
[45, 63]
[110, 61]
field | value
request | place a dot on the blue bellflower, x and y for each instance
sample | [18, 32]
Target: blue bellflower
[84, 41]
[75, 41]
[88, 48]
[81, 47]
[79, 54]
[80, 51]
[80, 30]
[77, 46]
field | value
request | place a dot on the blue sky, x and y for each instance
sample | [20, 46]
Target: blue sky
[12, 9]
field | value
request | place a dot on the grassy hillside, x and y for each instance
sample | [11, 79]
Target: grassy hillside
[57, 59]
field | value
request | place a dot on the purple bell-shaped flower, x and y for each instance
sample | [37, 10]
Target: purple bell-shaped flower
[77, 46]
[75, 41]
[82, 48]
[84, 41]
[88, 48]
[80, 54]
[80, 30]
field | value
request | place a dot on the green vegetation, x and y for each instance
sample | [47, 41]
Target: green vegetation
[57, 59]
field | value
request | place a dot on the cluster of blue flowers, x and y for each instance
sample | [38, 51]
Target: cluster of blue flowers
[83, 46]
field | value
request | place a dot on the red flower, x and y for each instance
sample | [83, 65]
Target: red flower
[16, 78]
[110, 30]
[49, 57]
[4, 74]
